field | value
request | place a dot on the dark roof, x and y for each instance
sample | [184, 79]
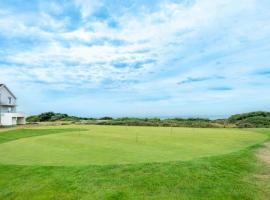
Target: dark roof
[1, 84]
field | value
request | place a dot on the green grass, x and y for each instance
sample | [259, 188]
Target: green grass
[103, 145]
[225, 168]
[24, 133]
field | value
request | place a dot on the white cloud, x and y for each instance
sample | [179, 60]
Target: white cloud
[87, 6]
[195, 40]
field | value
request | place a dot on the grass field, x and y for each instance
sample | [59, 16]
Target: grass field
[118, 162]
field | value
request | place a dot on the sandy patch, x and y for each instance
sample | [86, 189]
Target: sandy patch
[264, 154]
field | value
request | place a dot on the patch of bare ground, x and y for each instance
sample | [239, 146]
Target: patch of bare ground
[262, 178]
[264, 154]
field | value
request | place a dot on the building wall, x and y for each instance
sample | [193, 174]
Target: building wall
[4, 96]
[8, 115]
[5, 109]
[6, 120]
[9, 119]
[21, 120]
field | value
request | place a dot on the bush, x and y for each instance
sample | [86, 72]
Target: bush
[251, 120]
[33, 118]
[238, 117]
[106, 118]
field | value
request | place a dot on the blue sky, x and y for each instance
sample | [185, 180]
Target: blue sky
[137, 58]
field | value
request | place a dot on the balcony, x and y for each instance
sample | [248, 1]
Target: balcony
[7, 104]
[13, 114]
[6, 111]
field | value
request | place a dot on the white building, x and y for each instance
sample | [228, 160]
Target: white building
[8, 114]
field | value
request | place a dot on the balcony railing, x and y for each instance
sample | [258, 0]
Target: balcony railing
[13, 114]
[7, 104]
[5, 111]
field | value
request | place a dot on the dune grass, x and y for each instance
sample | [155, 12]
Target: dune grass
[230, 175]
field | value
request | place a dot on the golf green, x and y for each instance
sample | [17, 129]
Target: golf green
[106, 145]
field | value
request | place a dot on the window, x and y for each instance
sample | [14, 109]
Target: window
[9, 100]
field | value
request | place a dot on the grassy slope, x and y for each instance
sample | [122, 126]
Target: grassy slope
[221, 177]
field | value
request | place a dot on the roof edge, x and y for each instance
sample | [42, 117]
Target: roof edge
[3, 85]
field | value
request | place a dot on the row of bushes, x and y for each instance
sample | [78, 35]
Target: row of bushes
[175, 122]
[165, 122]
[246, 120]
[51, 116]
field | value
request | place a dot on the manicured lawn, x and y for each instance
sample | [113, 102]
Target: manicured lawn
[103, 145]
[111, 162]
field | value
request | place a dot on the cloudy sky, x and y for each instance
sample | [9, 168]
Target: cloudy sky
[137, 57]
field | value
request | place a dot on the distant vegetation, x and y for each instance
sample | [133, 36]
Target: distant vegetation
[174, 122]
[246, 120]
[51, 116]
[251, 120]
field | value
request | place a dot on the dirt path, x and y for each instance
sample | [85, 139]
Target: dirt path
[263, 178]
[264, 154]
